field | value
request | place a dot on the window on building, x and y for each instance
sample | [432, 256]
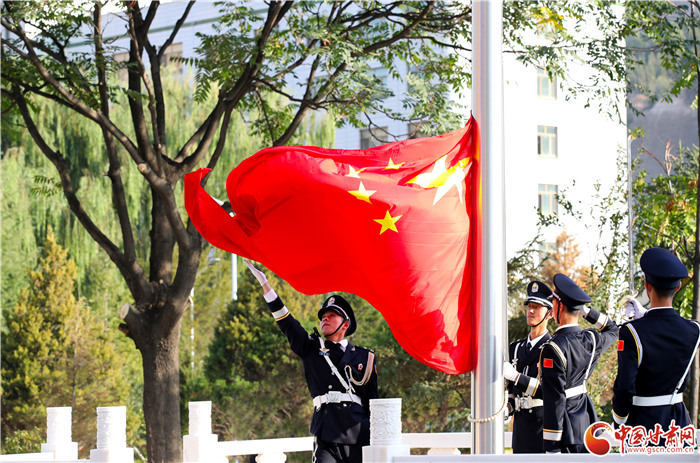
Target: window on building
[547, 199]
[546, 249]
[546, 141]
[546, 87]
[122, 58]
[173, 51]
[370, 138]
[417, 130]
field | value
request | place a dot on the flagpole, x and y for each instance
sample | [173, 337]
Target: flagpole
[487, 108]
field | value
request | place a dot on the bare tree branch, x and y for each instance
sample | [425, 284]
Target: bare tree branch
[114, 173]
[178, 25]
[138, 287]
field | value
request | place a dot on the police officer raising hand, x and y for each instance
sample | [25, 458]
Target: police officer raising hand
[341, 377]
[566, 362]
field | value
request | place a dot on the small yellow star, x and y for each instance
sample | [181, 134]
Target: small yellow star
[354, 173]
[362, 194]
[388, 222]
[391, 165]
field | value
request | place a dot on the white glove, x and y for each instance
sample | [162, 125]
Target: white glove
[260, 276]
[509, 371]
[508, 414]
[586, 310]
[262, 279]
[634, 310]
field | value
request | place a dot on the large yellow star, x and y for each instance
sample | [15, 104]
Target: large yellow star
[362, 194]
[388, 222]
[443, 178]
[391, 165]
[354, 173]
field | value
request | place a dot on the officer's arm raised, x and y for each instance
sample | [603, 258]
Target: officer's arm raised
[605, 325]
[298, 337]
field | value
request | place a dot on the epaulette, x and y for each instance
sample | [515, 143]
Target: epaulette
[364, 348]
[517, 341]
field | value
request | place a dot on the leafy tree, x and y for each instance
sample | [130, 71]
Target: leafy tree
[252, 60]
[57, 352]
[565, 260]
[672, 30]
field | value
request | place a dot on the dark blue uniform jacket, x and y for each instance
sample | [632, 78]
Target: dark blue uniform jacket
[564, 361]
[653, 354]
[527, 424]
[342, 423]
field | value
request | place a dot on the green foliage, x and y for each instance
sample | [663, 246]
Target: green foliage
[56, 353]
[666, 212]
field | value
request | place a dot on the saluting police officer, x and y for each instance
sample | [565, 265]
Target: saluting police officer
[566, 362]
[655, 352]
[524, 394]
[341, 377]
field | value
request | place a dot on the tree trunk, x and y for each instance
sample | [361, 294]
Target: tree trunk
[161, 391]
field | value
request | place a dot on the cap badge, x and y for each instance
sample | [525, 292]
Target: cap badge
[535, 287]
[359, 367]
[331, 300]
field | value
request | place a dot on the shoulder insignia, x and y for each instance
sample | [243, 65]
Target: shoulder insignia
[365, 348]
[559, 352]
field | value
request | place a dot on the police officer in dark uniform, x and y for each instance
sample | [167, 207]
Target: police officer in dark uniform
[566, 362]
[655, 352]
[341, 377]
[524, 394]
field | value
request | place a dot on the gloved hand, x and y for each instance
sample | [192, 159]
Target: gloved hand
[270, 294]
[260, 276]
[508, 414]
[509, 371]
[585, 310]
[634, 310]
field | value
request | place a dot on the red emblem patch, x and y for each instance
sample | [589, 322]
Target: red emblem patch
[548, 363]
[620, 345]
[359, 367]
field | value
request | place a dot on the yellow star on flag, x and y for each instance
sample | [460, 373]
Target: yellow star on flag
[354, 173]
[388, 222]
[443, 178]
[391, 165]
[362, 194]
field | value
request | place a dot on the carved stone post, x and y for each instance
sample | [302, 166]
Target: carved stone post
[111, 436]
[200, 444]
[385, 440]
[59, 435]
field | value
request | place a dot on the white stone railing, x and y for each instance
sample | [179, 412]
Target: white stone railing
[387, 443]
[111, 438]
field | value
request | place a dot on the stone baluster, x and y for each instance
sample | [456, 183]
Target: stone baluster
[111, 436]
[59, 435]
[385, 441]
[200, 444]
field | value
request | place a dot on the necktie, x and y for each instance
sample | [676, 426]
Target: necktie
[527, 347]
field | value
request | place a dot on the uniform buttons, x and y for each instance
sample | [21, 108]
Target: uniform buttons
[345, 405]
[330, 386]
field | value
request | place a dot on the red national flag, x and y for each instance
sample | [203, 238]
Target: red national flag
[398, 225]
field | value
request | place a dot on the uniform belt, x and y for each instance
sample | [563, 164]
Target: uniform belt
[574, 391]
[335, 398]
[527, 402]
[669, 399]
